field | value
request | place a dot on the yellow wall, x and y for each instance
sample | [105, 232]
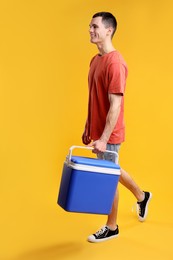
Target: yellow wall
[44, 57]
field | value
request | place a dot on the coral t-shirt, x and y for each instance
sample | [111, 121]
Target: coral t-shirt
[107, 75]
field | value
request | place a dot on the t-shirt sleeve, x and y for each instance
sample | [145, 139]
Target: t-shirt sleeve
[117, 74]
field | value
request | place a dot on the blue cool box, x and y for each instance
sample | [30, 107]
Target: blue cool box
[88, 185]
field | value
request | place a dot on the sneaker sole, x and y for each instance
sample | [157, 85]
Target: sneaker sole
[146, 211]
[92, 239]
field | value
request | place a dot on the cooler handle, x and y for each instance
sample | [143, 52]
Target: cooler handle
[90, 148]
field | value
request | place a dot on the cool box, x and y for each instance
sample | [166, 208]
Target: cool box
[88, 185]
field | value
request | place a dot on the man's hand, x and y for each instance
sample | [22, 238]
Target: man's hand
[99, 146]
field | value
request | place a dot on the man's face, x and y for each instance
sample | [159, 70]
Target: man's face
[98, 32]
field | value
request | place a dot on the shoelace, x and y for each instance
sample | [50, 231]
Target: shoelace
[136, 208]
[101, 231]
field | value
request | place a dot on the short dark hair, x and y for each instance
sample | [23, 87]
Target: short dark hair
[108, 19]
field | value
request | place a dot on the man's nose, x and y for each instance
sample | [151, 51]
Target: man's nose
[91, 29]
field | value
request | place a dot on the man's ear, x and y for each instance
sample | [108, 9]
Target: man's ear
[110, 31]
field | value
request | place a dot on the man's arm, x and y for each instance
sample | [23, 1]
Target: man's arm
[111, 120]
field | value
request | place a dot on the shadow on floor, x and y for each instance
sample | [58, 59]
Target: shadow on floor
[59, 251]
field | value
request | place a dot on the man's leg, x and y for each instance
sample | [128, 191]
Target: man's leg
[143, 197]
[112, 217]
[110, 230]
[127, 181]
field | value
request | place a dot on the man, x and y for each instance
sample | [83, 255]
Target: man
[104, 127]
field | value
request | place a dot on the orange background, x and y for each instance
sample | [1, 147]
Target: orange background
[44, 59]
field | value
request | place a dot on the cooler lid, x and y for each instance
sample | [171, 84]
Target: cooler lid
[94, 162]
[93, 165]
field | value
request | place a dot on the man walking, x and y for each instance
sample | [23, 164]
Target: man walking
[105, 129]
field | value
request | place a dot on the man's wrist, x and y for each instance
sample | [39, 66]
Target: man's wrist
[103, 139]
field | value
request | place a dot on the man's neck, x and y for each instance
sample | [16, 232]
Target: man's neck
[105, 48]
